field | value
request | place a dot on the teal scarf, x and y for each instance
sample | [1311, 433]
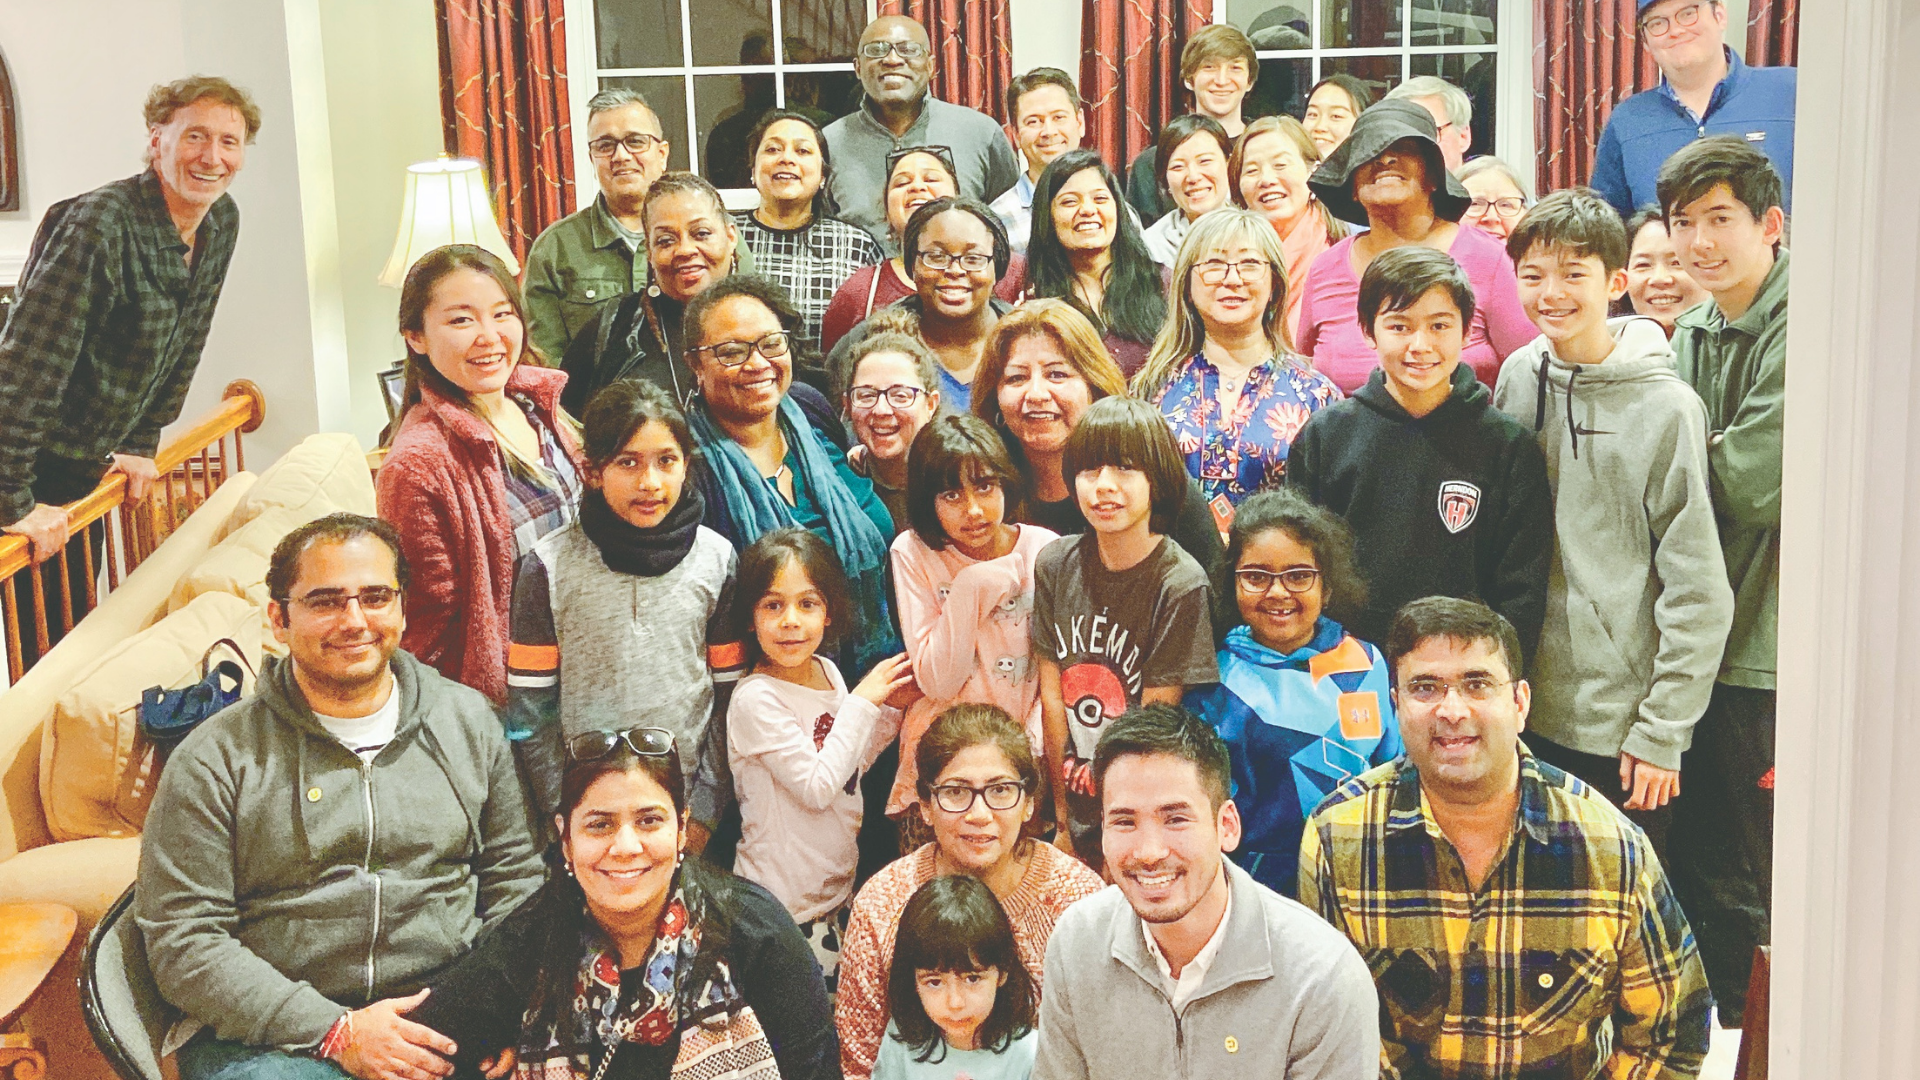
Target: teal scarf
[757, 509]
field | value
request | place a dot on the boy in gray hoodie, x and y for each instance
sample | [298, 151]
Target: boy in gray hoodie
[1638, 604]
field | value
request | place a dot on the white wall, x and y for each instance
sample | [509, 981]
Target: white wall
[1046, 33]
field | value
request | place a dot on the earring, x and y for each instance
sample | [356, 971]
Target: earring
[566, 867]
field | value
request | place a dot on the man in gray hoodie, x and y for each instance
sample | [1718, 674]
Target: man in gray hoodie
[1189, 969]
[317, 852]
[1638, 604]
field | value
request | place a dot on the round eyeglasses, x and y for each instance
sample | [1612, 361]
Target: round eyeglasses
[1299, 579]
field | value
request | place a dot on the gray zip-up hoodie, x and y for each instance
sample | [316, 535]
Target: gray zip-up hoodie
[1638, 604]
[1287, 996]
[283, 880]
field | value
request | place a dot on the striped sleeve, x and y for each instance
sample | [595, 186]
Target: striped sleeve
[726, 653]
[533, 652]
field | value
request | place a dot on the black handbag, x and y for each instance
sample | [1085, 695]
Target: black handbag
[166, 716]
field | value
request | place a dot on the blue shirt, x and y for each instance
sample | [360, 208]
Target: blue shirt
[1651, 126]
[1297, 726]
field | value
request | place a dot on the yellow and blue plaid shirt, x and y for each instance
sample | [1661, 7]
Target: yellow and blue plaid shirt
[1574, 927]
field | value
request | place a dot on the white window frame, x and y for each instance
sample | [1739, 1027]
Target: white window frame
[1512, 51]
[584, 74]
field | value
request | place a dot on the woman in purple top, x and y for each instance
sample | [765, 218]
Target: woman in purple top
[1389, 175]
[1222, 371]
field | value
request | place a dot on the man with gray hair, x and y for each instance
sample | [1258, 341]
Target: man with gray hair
[1452, 114]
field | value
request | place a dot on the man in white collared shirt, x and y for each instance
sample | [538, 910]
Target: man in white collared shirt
[1188, 967]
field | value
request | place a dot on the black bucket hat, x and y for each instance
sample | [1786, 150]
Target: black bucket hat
[1373, 131]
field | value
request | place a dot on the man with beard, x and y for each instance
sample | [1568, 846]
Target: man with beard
[1191, 968]
[316, 853]
[895, 64]
[1516, 922]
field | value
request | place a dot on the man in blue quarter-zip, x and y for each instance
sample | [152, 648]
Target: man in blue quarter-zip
[317, 852]
[1704, 90]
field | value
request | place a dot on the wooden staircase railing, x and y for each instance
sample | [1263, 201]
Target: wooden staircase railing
[192, 465]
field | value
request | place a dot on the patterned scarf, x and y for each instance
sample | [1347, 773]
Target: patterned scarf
[720, 1038]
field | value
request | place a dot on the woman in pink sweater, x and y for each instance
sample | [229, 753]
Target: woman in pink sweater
[964, 578]
[1390, 175]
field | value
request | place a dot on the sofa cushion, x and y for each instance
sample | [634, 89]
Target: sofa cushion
[85, 875]
[323, 474]
[237, 565]
[96, 774]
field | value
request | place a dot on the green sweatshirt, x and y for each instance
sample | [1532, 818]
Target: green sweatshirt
[283, 880]
[1739, 369]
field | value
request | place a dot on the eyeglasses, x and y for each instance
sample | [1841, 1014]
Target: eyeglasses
[1297, 580]
[899, 395]
[1660, 24]
[958, 798]
[373, 600]
[637, 144]
[908, 50]
[1507, 208]
[643, 741]
[943, 153]
[1214, 271]
[734, 353]
[1473, 688]
[972, 262]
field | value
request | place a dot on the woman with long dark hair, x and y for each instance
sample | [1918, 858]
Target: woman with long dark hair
[635, 961]
[482, 465]
[1086, 249]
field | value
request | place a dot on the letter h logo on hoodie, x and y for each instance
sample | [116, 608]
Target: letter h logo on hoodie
[1459, 504]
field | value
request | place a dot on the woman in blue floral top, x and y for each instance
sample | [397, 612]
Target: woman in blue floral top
[1223, 371]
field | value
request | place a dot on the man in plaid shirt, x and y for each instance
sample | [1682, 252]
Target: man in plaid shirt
[1517, 925]
[112, 311]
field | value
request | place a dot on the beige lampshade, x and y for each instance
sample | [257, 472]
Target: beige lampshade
[446, 204]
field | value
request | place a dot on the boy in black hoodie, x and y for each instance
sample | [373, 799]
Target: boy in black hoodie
[1446, 496]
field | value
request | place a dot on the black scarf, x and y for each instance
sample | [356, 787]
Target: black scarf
[642, 552]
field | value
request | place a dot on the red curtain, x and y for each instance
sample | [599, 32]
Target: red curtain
[503, 101]
[1773, 33]
[1586, 60]
[1130, 69]
[972, 49]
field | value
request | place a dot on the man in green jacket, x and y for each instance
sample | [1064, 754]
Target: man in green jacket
[315, 854]
[1723, 199]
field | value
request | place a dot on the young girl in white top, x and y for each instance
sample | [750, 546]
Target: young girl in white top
[964, 578]
[961, 1000]
[797, 741]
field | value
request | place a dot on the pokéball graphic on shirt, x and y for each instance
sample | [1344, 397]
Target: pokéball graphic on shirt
[1092, 693]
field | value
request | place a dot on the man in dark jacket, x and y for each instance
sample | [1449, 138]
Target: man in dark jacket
[1446, 496]
[321, 850]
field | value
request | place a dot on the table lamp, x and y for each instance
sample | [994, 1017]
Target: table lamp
[446, 204]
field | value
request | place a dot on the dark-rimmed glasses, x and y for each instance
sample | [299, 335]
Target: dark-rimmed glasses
[878, 50]
[1214, 271]
[373, 600]
[1660, 24]
[1296, 580]
[643, 741]
[899, 395]
[958, 798]
[1509, 207]
[772, 345]
[637, 144]
[973, 262]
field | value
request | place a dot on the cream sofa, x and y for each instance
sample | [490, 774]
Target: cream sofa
[72, 784]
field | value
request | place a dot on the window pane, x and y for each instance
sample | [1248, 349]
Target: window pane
[1380, 73]
[1359, 24]
[1273, 24]
[723, 120]
[821, 31]
[1454, 22]
[833, 93]
[732, 32]
[1281, 88]
[638, 33]
[667, 95]
[1474, 73]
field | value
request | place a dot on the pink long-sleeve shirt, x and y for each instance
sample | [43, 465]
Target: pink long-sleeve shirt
[1329, 313]
[965, 623]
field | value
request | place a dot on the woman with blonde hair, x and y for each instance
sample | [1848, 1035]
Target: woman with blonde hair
[1040, 369]
[1223, 371]
[1269, 169]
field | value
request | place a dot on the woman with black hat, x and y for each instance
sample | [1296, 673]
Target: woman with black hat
[1389, 176]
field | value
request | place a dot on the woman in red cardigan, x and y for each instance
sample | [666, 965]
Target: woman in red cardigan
[482, 466]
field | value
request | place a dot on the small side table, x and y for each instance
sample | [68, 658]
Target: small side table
[33, 938]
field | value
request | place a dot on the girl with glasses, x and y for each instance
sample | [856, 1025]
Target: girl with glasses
[980, 760]
[626, 613]
[892, 391]
[964, 578]
[1302, 705]
[798, 740]
[636, 961]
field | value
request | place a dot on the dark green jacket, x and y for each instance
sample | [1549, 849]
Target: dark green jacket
[1739, 369]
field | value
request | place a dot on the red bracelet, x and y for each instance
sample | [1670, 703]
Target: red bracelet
[337, 1038]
